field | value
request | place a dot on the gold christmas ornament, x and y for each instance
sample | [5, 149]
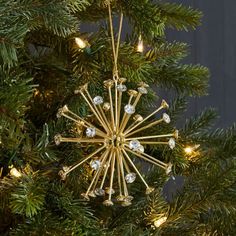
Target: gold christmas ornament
[117, 140]
[116, 136]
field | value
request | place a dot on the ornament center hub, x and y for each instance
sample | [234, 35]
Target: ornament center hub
[117, 140]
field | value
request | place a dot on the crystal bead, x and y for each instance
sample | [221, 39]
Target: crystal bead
[142, 90]
[95, 164]
[141, 148]
[166, 118]
[98, 100]
[108, 203]
[130, 178]
[121, 87]
[99, 192]
[90, 132]
[129, 109]
[171, 143]
[134, 145]
[57, 139]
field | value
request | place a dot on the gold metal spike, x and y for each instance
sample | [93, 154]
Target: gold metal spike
[106, 106]
[122, 80]
[132, 92]
[108, 83]
[164, 104]
[143, 84]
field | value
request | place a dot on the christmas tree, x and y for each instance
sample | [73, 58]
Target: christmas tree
[47, 62]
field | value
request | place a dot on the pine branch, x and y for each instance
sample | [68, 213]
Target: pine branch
[188, 79]
[165, 53]
[198, 124]
[28, 196]
[180, 17]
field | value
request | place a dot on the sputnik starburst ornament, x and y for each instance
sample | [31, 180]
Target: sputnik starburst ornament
[117, 140]
[116, 136]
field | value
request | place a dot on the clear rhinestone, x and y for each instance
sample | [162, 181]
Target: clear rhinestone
[90, 132]
[130, 178]
[57, 139]
[171, 143]
[95, 164]
[134, 145]
[121, 87]
[142, 90]
[98, 100]
[169, 168]
[99, 192]
[129, 109]
[166, 118]
[141, 148]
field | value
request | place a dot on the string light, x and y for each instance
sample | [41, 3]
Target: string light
[140, 45]
[80, 43]
[14, 172]
[191, 150]
[159, 222]
[188, 150]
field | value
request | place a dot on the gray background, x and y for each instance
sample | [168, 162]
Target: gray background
[213, 45]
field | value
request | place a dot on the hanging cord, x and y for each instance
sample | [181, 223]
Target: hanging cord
[115, 49]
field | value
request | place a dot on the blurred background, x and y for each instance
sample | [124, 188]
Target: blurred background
[213, 45]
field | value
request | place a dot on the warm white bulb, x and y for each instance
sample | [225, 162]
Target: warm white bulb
[15, 172]
[80, 43]
[140, 46]
[188, 150]
[159, 222]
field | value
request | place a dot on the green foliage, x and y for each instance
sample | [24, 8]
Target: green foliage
[27, 197]
[189, 79]
[199, 123]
